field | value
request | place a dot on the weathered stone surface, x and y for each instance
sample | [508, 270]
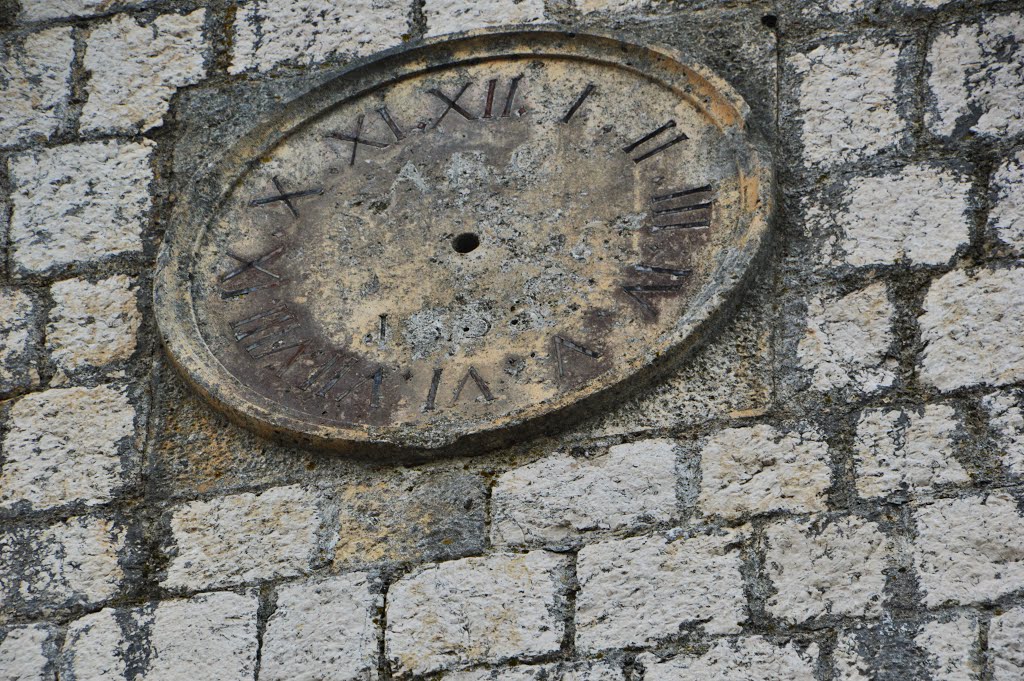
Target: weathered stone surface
[847, 341]
[850, 665]
[952, 648]
[1006, 418]
[750, 658]
[561, 495]
[18, 341]
[37, 10]
[243, 537]
[26, 653]
[826, 568]
[847, 101]
[269, 33]
[916, 215]
[565, 671]
[1006, 644]
[973, 329]
[323, 629]
[969, 550]
[906, 450]
[760, 469]
[35, 83]
[210, 637]
[1006, 219]
[587, 6]
[70, 562]
[451, 16]
[92, 325]
[475, 610]
[641, 590]
[66, 445]
[137, 67]
[78, 203]
[975, 78]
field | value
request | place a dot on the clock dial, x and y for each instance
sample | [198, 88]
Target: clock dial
[450, 248]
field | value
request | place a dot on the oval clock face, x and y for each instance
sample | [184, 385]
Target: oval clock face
[456, 241]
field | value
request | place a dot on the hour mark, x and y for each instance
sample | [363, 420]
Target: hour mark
[654, 269]
[650, 136]
[257, 264]
[561, 342]
[263, 328]
[356, 139]
[432, 393]
[395, 130]
[492, 85]
[686, 209]
[452, 104]
[634, 291]
[286, 197]
[578, 103]
[481, 385]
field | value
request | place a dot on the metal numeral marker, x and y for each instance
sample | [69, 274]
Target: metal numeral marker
[286, 197]
[579, 102]
[451, 104]
[561, 342]
[509, 98]
[481, 385]
[635, 290]
[356, 139]
[395, 130]
[254, 264]
[686, 209]
[432, 393]
[650, 136]
[263, 332]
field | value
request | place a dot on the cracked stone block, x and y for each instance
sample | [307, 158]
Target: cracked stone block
[902, 450]
[35, 84]
[847, 339]
[78, 203]
[969, 550]
[952, 648]
[72, 562]
[973, 329]
[1006, 219]
[749, 657]
[475, 610]
[19, 341]
[564, 671]
[975, 78]
[761, 469]
[559, 496]
[243, 537]
[210, 637]
[1006, 644]
[136, 69]
[67, 445]
[268, 33]
[826, 568]
[848, 103]
[92, 325]
[452, 16]
[917, 215]
[637, 591]
[1006, 418]
[27, 653]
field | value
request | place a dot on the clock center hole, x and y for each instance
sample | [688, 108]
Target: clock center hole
[464, 243]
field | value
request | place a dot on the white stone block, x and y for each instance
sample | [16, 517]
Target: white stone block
[1006, 418]
[751, 658]
[1006, 645]
[952, 648]
[452, 16]
[849, 664]
[39, 10]
[1006, 219]
[18, 365]
[26, 652]
[92, 325]
[565, 671]
[36, 73]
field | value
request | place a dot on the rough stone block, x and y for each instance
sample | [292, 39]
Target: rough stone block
[760, 469]
[969, 550]
[27, 653]
[78, 202]
[136, 69]
[211, 637]
[66, 445]
[452, 16]
[952, 648]
[553, 499]
[847, 101]
[1006, 418]
[565, 671]
[475, 610]
[901, 450]
[1006, 644]
[19, 341]
[973, 329]
[39, 10]
[92, 325]
[1006, 219]
[849, 664]
[243, 537]
[749, 657]
[975, 78]
[35, 74]
[268, 33]
[826, 568]
[847, 340]
[638, 591]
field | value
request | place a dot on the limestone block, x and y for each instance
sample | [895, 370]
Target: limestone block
[18, 341]
[969, 550]
[26, 653]
[323, 629]
[553, 499]
[268, 33]
[243, 537]
[907, 450]
[92, 325]
[565, 671]
[847, 339]
[833, 568]
[973, 329]
[1006, 219]
[750, 658]
[211, 637]
[452, 16]
[475, 610]
[66, 445]
[760, 469]
[847, 101]
[637, 591]
[78, 202]
[975, 78]
[136, 69]
[38, 10]
[850, 665]
[35, 84]
[952, 648]
[1006, 644]
[1006, 418]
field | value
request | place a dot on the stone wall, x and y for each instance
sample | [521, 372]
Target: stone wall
[833, 488]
